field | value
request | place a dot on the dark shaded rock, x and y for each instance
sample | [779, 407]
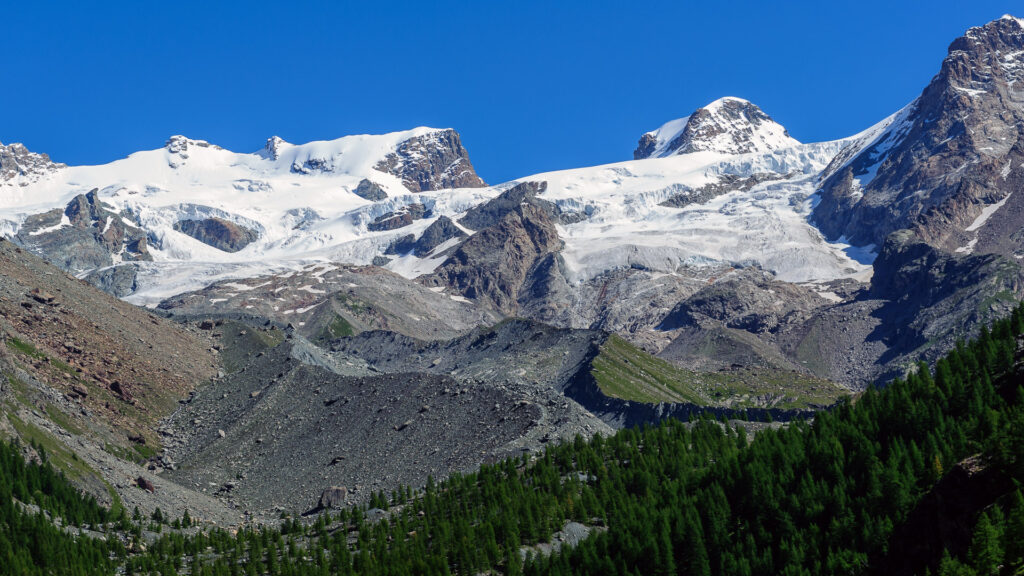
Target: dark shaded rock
[439, 232]
[370, 191]
[752, 301]
[118, 280]
[41, 296]
[402, 245]
[725, 184]
[492, 265]
[492, 211]
[381, 261]
[434, 161]
[117, 388]
[646, 146]
[219, 233]
[90, 238]
[145, 484]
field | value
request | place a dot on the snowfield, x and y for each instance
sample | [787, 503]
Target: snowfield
[301, 201]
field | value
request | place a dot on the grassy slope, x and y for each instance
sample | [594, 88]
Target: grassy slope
[627, 372]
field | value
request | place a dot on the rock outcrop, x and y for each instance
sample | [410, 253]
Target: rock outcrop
[20, 166]
[492, 265]
[370, 190]
[434, 161]
[399, 218]
[439, 232]
[333, 497]
[84, 236]
[217, 232]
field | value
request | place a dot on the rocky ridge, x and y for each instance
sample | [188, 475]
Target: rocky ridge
[84, 236]
[20, 167]
[432, 162]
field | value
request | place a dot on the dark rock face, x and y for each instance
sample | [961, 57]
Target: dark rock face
[16, 160]
[370, 191]
[493, 264]
[90, 238]
[955, 150]
[219, 233]
[117, 280]
[398, 219]
[145, 484]
[439, 232]
[933, 296]
[433, 161]
[491, 212]
[645, 148]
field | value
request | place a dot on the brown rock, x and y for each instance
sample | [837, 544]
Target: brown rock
[145, 484]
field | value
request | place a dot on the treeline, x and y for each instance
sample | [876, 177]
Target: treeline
[703, 498]
[32, 495]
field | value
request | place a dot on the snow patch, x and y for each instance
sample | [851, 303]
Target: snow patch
[987, 213]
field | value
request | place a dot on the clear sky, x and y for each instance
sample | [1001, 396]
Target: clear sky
[532, 86]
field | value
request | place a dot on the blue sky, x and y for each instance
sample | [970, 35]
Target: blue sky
[532, 86]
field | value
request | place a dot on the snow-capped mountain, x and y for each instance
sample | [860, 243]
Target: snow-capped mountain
[207, 213]
[728, 125]
[721, 223]
[947, 162]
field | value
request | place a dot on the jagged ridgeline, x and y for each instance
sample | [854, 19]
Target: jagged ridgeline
[922, 475]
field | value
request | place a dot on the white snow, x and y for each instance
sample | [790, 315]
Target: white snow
[299, 198]
[666, 134]
[987, 213]
[64, 222]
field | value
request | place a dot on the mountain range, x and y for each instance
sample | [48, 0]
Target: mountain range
[378, 279]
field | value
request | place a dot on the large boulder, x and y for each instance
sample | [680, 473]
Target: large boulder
[333, 497]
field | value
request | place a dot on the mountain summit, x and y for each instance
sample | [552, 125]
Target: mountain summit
[728, 125]
[945, 164]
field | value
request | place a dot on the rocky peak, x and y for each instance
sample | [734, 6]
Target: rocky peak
[727, 125]
[272, 149]
[17, 161]
[955, 151]
[178, 147]
[179, 144]
[434, 161]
